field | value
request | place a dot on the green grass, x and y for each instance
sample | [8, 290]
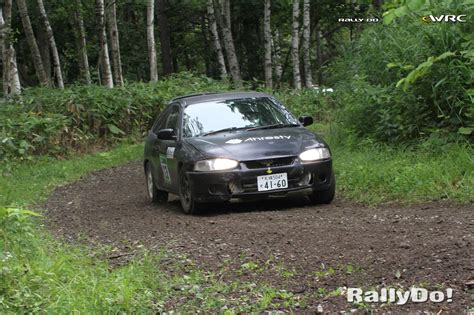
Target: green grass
[371, 174]
[29, 181]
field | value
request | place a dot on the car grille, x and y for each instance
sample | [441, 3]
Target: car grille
[284, 161]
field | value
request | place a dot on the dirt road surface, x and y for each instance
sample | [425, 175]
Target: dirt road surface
[331, 246]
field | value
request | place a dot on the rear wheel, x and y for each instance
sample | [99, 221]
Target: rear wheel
[189, 205]
[324, 196]
[156, 195]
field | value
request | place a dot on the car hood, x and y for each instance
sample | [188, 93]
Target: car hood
[257, 144]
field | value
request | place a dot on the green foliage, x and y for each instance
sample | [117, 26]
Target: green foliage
[376, 174]
[411, 79]
[52, 122]
[307, 102]
[29, 181]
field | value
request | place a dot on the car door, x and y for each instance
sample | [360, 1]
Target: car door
[167, 149]
[155, 146]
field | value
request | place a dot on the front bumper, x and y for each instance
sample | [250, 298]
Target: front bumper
[242, 183]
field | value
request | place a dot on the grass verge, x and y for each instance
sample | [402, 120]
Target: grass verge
[373, 173]
[28, 181]
[381, 174]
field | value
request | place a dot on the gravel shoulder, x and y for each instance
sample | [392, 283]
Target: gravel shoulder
[304, 248]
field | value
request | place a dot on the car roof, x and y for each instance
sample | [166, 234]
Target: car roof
[210, 96]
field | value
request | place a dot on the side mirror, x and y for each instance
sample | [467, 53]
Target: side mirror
[166, 134]
[306, 120]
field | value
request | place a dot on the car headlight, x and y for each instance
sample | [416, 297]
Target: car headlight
[315, 154]
[215, 165]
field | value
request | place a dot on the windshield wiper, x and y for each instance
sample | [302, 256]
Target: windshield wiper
[280, 125]
[222, 130]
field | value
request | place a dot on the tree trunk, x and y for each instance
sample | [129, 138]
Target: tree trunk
[377, 5]
[82, 44]
[295, 45]
[150, 35]
[114, 42]
[229, 43]
[30, 38]
[104, 50]
[11, 80]
[43, 46]
[277, 57]
[204, 32]
[267, 34]
[15, 85]
[52, 44]
[215, 40]
[319, 55]
[165, 38]
[308, 78]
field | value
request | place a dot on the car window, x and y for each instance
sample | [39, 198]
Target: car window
[172, 120]
[161, 120]
[206, 117]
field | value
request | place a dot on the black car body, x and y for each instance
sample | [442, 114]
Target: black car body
[215, 147]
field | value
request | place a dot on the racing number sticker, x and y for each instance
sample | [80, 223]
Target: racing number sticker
[170, 153]
[164, 167]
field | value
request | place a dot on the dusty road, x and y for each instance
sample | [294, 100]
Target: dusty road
[339, 245]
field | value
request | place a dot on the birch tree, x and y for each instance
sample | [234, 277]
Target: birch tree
[104, 50]
[150, 36]
[52, 45]
[295, 45]
[114, 42]
[267, 34]
[319, 57]
[32, 44]
[308, 79]
[215, 39]
[11, 80]
[82, 44]
[276, 58]
[229, 43]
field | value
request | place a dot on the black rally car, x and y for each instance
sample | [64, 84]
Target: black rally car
[213, 147]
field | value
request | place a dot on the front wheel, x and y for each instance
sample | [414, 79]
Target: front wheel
[189, 205]
[156, 195]
[324, 196]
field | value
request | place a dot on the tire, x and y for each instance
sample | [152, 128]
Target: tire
[324, 196]
[188, 204]
[156, 195]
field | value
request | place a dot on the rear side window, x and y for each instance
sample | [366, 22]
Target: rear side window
[172, 119]
[160, 121]
[168, 119]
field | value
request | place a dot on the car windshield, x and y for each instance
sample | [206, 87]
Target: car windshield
[226, 115]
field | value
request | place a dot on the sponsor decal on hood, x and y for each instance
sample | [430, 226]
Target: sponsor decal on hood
[254, 139]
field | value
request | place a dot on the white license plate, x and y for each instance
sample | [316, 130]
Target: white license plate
[271, 182]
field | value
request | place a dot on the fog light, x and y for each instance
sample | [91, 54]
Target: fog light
[306, 179]
[233, 188]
